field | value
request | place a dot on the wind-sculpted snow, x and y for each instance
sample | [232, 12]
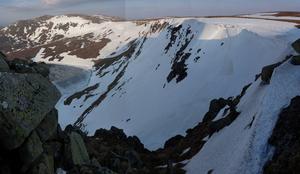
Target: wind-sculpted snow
[156, 79]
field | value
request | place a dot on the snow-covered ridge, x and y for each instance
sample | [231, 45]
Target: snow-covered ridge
[156, 78]
[45, 29]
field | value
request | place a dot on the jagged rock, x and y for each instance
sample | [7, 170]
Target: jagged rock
[3, 65]
[286, 141]
[295, 60]
[267, 72]
[296, 45]
[135, 143]
[20, 66]
[214, 108]
[48, 126]
[173, 141]
[44, 166]
[30, 151]
[41, 68]
[27, 66]
[78, 153]
[24, 102]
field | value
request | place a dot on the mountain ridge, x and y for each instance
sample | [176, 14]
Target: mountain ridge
[157, 79]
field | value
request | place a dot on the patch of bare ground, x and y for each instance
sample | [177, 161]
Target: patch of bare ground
[81, 47]
[287, 13]
[23, 54]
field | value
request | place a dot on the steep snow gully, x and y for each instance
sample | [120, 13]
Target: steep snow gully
[156, 79]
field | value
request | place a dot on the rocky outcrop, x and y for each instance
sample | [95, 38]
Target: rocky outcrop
[286, 141]
[296, 45]
[295, 60]
[28, 119]
[29, 67]
[3, 65]
[26, 100]
[267, 71]
[78, 152]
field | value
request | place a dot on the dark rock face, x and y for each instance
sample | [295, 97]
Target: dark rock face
[286, 140]
[215, 107]
[3, 65]
[267, 71]
[30, 151]
[296, 45]
[48, 126]
[179, 66]
[295, 60]
[24, 66]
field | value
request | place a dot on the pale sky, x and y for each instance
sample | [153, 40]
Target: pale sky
[12, 10]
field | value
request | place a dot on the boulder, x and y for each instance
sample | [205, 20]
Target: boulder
[295, 60]
[3, 65]
[76, 151]
[25, 100]
[30, 151]
[48, 126]
[296, 45]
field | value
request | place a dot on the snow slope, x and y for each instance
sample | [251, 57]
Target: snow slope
[230, 57]
[243, 149]
[156, 78]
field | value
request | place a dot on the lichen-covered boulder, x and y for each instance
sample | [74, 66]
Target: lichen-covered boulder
[79, 153]
[48, 126]
[296, 45]
[3, 65]
[25, 100]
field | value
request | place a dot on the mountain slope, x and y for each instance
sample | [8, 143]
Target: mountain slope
[156, 79]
